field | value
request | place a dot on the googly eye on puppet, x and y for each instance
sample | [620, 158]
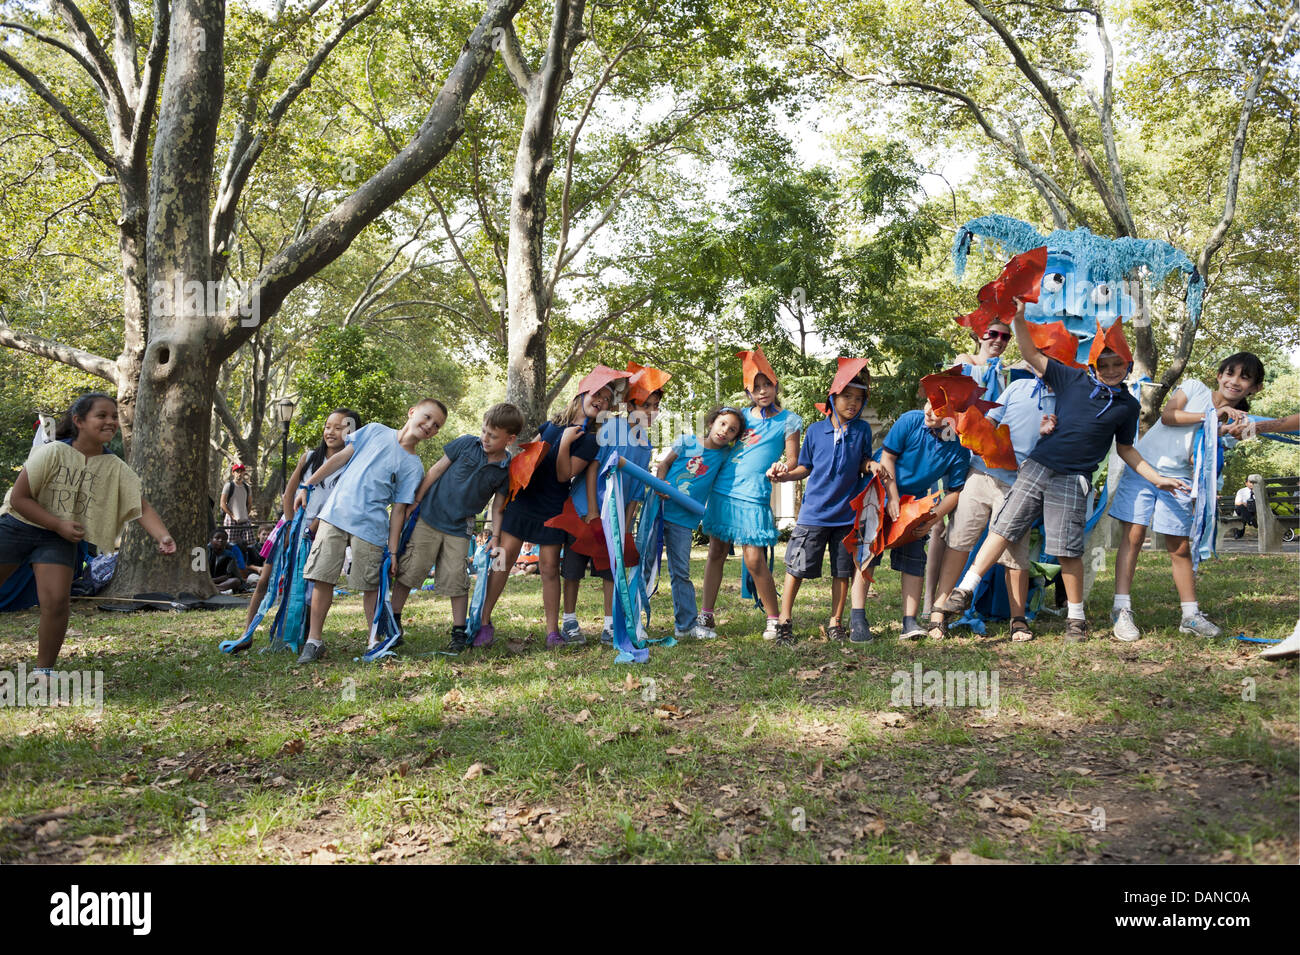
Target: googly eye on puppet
[1086, 277]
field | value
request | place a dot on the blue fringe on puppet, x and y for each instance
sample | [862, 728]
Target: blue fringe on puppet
[747, 589]
[630, 650]
[1101, 259]
[1205, 486]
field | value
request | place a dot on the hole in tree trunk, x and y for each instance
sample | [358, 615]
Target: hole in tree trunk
[164, 356]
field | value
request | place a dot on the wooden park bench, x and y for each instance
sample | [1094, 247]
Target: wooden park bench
[1278, 494]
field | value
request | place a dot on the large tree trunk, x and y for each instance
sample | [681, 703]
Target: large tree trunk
[528, 294]
[169, 448]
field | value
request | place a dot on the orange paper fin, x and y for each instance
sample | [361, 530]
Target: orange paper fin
[523, 464]
[991, 442]
[1055, 341]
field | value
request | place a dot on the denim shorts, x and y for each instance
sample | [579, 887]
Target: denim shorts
[1138, 501]
[21, 542]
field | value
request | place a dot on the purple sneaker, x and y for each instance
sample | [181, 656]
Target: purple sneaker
[553, 640]
[486, 634]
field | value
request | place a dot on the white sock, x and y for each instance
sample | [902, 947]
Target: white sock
[773, 619]
[1075, 611]
[1123, 602]
[609, 622]
[970, 581]
[570, 618]
[316, 640]
[1190, 608]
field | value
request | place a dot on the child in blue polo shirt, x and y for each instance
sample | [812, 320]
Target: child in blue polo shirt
[473, 469]
[1092, 408]
[691, 466]
[919, 452]
[836, 452]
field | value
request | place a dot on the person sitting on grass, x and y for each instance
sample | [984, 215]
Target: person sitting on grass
[383, 471]
[473, 469]
[226, 564]
[1092, 408]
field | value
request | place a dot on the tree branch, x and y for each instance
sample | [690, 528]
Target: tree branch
[512, 55]
[65, 114]
[115, 104]
[56, 351]
[150, 81]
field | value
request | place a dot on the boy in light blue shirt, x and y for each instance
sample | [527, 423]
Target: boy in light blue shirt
[382, 470]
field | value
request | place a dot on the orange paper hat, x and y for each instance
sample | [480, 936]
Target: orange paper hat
[1022, 278]
[1112, 338]
[846, 370]
[644, 381]
[523, 464]
[752, 364]
[1055, 341]
[598, 378]
[951, 392]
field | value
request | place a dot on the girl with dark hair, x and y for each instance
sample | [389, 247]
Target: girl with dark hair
[1138, 505]
[340, 423]
[71, 491]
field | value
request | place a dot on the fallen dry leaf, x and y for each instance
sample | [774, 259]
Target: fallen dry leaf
[581, 716]
[292, 747]
[963, 779]
[891, 718]
[679, 750]
[749, 730]
[965, 857]
[808, 675]
[452, 697]
[476, 770]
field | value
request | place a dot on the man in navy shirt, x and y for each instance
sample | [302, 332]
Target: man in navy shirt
[1092, 408]
[835, 452]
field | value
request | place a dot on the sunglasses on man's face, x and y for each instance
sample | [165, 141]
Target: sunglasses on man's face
[992, 336]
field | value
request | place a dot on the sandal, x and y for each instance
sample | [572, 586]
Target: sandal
[937, 630]
[1020, 632]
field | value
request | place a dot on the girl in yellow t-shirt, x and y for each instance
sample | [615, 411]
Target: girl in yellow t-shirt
[67, 493]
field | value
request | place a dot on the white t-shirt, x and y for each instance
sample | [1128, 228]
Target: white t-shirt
[1244, 496]
[1169, 449]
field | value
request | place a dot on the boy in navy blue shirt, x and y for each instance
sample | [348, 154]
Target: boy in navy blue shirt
[1092, 408]
[835, 453]
[917, 453]
[473, 469]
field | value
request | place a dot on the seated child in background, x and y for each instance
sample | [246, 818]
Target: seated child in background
[836, 452]
[382, 471]
[916, 455]
[473, 470]
[691, 465]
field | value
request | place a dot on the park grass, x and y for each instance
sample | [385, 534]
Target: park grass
[727, 750]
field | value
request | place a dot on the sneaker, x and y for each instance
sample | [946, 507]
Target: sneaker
[770, 631]
[1123, 626]
[1287, 648]
[785, 634]
[913, 632]
[700, 632]
[384, 648]
[486, 634]
[569, 629]
[1201, 625]
[706, 621]
[606, 637]
[1076, 631]
[956, 603]
[836, 632]
[459, 643]
[859, 632]
[311, 652]
[553, 640]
